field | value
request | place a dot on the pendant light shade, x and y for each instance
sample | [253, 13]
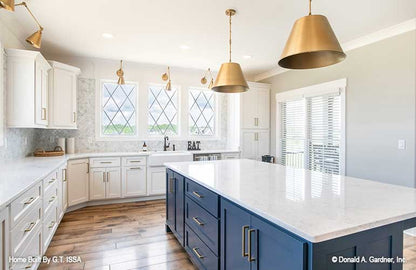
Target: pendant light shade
[230, 78]
[311, 44]
[7, 4]
[35, 39]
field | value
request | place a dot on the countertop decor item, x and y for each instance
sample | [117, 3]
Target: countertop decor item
[230, 78]
[120, 74]
[166, 77]
[57, 151]
[70, 145]
[311, 44]
[61, 143]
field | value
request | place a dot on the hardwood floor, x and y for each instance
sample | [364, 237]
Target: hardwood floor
[132, 236]
[118, 236]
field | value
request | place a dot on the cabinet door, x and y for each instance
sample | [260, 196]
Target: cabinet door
[179, 207]
[248, 107]
[263, 108]
[156, 178]
[113, 180]
[97, 183]
[64, 98]
[77, 181]
[41, 96]
[4, 239]
[263, 144]
[235, 223]
[170, 199]
[134, 181]
[272, 248]
[248, 144]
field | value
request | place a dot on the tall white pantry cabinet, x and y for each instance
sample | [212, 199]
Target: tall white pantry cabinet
[255, 121]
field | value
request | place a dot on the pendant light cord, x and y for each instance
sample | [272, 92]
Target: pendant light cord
[230, 38]
[310, 7]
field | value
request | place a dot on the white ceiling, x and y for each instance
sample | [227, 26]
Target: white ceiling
[153, 31]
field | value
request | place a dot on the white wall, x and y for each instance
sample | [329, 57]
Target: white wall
[380, 107]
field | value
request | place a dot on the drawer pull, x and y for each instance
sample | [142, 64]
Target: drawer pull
[29, 266]
[30, 227]
[197, 253]
[135, 161]
[51, 225]
[52, 199]
[197, 194]
[197, 221]
[106, 162]
[31, 199]
[250, 259]
[52, 180]
[243, 241]
[64, 175]
[135, 168]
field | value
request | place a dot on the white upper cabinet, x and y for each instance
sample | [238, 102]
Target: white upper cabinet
[27, 89]
[63, 96]
[255, 107]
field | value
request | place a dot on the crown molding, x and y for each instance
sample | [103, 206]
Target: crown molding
[379, 35]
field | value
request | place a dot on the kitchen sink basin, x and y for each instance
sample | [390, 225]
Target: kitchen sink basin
[158, 158]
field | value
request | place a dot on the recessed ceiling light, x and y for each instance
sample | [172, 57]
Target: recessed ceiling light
[247, 56]
[184, 47]
[107, 35]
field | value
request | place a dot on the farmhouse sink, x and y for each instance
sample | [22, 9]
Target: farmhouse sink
[158, 158]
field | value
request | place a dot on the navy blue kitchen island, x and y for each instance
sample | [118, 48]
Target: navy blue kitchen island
[243, 214]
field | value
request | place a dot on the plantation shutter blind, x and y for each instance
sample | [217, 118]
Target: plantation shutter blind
[311, 130]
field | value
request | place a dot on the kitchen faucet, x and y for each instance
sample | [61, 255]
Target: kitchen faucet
[166, 143]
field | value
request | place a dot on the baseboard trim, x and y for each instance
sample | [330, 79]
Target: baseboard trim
[114, 201]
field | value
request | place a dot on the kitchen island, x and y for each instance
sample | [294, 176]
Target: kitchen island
[244, 214]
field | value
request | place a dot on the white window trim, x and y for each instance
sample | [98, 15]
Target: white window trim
[217, 100]
[98, 108]
[179, 114]
[310, 91]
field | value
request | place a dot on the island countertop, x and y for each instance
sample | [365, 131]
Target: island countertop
[312, 205]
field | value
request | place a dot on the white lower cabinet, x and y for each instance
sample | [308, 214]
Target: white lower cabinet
[33, 250]
[4, 239]
[134, 181]
[78, 171]
[156, 180]
[105, 183]
[50, 224]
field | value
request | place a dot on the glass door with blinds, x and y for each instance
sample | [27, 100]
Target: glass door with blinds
[311, 129]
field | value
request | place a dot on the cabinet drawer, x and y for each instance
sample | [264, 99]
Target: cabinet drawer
[24, 230]
[204, 197]
[50, 181]
[201, 255]
[24, 204]
[133, 161]
[104, 162]
[203, 224]
[49, 200]
[49, 225]
[32, 249]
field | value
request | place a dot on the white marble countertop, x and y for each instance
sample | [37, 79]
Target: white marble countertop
[312, 205]
[18, 175]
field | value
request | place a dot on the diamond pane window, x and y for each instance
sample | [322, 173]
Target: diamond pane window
[201, 112]
[163, 111]
[118, 111]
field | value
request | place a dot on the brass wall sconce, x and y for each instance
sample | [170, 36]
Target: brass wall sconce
[166, 77]
[34, 39]
[120, 74]
[204, 79]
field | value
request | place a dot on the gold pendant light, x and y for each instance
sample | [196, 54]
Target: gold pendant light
[311, 44]
[7, 4]
[120, 74]
[204, 79]
[34, 39]
[166, 77]
[230, 78]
